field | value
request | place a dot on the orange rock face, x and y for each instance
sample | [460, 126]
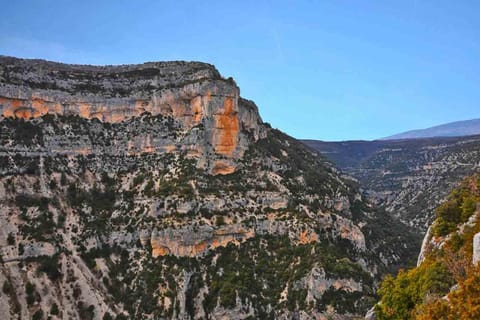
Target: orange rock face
[220, 238]
[12, 106]
[222, 168]
[178, 245]
[197, 110]
[307, 237]
[208, 115]
[227, 128]
[159, 251]
[26, 109]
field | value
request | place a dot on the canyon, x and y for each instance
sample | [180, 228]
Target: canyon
[408, 178]
[155, 191]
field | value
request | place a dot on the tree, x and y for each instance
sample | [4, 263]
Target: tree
[400, 296]
[38, 315]
[11, 239]
[54, 309]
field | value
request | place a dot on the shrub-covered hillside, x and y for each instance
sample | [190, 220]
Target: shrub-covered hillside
[445, 284]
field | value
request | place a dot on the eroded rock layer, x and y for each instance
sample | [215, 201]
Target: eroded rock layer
[193, 94]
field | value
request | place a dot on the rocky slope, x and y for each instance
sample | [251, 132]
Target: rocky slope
[155, 191]
[445, 282]
[409, 178]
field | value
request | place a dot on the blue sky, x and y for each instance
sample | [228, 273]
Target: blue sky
[329, 70]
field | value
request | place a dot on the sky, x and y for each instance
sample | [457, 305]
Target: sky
[328, 70]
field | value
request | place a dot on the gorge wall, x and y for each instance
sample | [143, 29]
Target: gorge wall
[155, 191]
[194, 94]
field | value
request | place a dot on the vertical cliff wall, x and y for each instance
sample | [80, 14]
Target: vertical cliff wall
[193, 94]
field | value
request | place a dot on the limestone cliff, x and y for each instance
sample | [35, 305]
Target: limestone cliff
[192, 93]
[155, 192]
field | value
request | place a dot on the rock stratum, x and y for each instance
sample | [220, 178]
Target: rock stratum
[155, 191]
[194, 94]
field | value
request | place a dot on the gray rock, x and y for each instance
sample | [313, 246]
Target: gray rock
[476, 248]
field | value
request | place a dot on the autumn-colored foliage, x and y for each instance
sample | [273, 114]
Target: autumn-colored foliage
[402, 295]
[461, 304]
[446, 286]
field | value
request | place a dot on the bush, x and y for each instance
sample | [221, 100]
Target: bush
[63, 179]
[86, 313]
[220, 221]
[49, 265]
[24, 200]
[11, 239]
[462, 303]
[31, 293]
[401, 295]
[138, 180]
[38, 315]
[459, 207]
[149, 187]
[6, 288]
[54, 309]
[107, 316]
[449, 215]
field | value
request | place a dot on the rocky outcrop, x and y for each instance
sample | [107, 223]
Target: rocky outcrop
[30, 250]
[195, 241]
[317, 283]
[189, 242]
[476, 248]
[193, 94]
[425, 246]
[371, 314]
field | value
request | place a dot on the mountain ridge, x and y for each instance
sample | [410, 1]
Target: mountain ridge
[451, 129]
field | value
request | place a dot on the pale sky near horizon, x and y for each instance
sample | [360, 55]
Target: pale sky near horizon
[327, 70]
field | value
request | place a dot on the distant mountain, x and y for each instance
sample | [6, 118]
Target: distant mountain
[408, 178]
[452, 129]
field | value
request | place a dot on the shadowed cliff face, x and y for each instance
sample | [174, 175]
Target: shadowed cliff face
[193, 94]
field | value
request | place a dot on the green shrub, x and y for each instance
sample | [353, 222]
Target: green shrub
[138, 180]
[38, 315]
[31, 293]
[149, 187]
[107, 316]
[49, 265]
[63, 179]
[219, 221]
[11, 239]
[402, 294]
[54, 309]
[6, 288]
[459, 207]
